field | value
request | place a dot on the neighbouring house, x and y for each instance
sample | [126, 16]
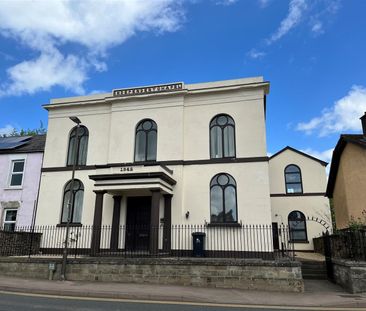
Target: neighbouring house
[298, 182]
[347, 181]
[20, 171]
[153, 160]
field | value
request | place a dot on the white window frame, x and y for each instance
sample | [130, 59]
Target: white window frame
[14, 159]
[7, 221]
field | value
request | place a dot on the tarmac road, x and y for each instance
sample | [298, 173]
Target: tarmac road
[25, 302]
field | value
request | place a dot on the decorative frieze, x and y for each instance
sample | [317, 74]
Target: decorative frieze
[162, 88]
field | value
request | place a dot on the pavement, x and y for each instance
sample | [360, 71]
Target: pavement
[318, 293]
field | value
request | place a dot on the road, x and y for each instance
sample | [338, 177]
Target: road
[26, 302]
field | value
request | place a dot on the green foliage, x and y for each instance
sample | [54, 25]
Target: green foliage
[358, 223]
[27, 132]
[332, 213]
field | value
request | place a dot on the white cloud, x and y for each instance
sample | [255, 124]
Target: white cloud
[44, 72]
[325, 155]
[263, 3]
[294, 16]
[95, 26]
[343, 116]
[226, 2]
[255, 54]
[6, 130]
[317, 27]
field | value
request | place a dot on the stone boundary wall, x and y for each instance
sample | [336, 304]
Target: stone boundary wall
[19, 243]
[203, 272]
[351, 275]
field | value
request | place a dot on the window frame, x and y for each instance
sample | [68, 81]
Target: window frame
[11, 172]
[292, 240]
[222, 127]
[293, 183]
[82, 188]
[4, 222]
[141, 122]
[86, 133]
[224, 222]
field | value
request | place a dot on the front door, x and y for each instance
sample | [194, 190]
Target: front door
[138, 223]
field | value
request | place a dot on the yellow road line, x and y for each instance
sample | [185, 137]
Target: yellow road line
[204, 304]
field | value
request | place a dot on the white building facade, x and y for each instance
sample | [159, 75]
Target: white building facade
[159, 156]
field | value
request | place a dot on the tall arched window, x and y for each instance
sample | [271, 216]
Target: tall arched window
[223, 199]
[293, 179]
[222, 137]
[297, 226]
[146, 141]
[81, 154]
[76, 206]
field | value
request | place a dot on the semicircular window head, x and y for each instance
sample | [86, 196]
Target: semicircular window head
[222, 137]
[223, 203]
[78, 155]
[146, 141]
[293, 179]
[72, 205]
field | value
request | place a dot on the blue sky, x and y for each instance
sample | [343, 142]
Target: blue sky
[312, 52]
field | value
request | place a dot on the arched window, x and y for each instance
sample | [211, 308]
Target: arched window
[297, 226]
[293, 179]
[223, 199]
[146, 141]
[83, 134]
[222, 137]
[76, 206]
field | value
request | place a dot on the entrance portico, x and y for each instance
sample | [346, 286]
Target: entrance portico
[143, 191]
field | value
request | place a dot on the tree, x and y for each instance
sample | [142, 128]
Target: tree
[27, 132]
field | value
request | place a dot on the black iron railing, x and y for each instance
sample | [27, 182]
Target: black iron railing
[235, 241]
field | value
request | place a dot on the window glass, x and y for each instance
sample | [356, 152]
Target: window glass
[10, 217]
[16, 177]
[81, 154]
[297, 226]
[293, 179]
[146, 141]
[76, 206]
[222, 137]
[294, 188]
[223, 203]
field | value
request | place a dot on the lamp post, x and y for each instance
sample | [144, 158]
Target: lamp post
[71, 198]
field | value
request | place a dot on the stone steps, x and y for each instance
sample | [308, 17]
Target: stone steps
[314, 270]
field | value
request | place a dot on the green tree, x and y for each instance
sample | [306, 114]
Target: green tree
[27, 132]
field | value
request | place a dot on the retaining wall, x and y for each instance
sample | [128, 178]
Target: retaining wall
[350, 274]
[219, 273]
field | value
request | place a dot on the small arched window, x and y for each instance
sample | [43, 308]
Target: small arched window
[297, 226]
[82, 151]
[76, 205]
[222, 137]
[223, 199]
[146, 141]
[293, 179]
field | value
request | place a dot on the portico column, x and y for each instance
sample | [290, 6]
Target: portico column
[154, 221]
[97, 222]
[167, 222]
[115, 222]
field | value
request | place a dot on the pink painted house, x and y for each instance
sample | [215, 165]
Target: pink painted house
[20, 170]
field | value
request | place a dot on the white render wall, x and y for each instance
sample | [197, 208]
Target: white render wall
[183, 134]
[314, 206]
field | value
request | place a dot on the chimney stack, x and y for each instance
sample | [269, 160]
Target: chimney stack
[363, 122]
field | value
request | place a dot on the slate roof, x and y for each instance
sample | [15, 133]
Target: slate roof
[357, 139]
[299, 152]
[33, 144]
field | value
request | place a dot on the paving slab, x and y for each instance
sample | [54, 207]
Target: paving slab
[317, 293]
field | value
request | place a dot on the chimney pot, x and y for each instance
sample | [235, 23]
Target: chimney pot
[363, 122]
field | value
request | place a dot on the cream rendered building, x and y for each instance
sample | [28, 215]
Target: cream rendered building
[148, 157]
[174, 154]
[298, 182]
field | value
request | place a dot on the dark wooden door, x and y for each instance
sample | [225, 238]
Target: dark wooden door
[138, 223]
[276, 244]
